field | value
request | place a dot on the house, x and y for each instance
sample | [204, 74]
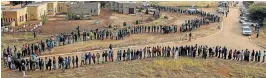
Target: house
[14, 16]
[52, 8]
[124, 7]
[85, 8]
[261, 3]
[62, 7]
[5, 2]
[36, 10]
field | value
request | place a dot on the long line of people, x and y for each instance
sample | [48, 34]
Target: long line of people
[64, 38]
[64, 62]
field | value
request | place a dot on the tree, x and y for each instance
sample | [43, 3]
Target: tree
[124, 24]
[248, 3]
[44, 18]
[69, 15]
[103, 3]
[139, 10]
[257, 13]
[82, 16]
[137, 22]
[15, 2]
[147, 11]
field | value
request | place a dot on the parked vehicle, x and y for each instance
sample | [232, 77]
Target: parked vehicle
[243, 19]
[245, 25]
[246, 31]
[193, 9]
[220, 10]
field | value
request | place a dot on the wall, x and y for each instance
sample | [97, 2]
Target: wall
[126, 7]
[9, 16]
[35, 12]
[42, 10]
[21, 16]
[62, 7]
[18, 16]
[123, 7]
[85, 8]
[52, 8]
[32, 13]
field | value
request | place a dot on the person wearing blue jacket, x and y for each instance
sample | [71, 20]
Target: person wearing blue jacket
[89, 57]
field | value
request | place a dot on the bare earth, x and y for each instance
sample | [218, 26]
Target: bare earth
[261, 40]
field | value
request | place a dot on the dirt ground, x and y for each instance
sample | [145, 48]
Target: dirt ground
[261, 40]
[58, 24]
[158, 67]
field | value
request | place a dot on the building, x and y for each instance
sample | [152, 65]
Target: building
[36, 10]
[62, 7]
[124, 7]
[52, 8]
[5, 2]
[85, 8]
[261, 3]
[14, 16]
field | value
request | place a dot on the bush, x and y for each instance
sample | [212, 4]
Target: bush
[257, 13]
[69, 16]
[147, 11]
[165, 17]
[124, 24]
[140, 10]
[137, 22]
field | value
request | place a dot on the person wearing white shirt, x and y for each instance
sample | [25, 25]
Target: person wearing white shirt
[264, 55]
[176, 53]
[241, 55]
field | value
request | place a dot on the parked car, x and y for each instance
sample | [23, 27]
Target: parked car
[193, 9]
[245, 25]
[243, 19]
[220, 10]
[246, 31]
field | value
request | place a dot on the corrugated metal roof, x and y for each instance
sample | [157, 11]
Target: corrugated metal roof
[35, 4]
[126, 2]
[260, 2]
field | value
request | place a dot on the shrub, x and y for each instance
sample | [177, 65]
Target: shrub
[137, 22]
[257, 13]
[124, 24]
[165, 17]
[147, 11]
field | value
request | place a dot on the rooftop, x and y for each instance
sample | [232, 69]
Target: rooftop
[35, 4]
[126, 2]
[11, 8]
[260, 2]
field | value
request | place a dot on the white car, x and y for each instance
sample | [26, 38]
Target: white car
[220, 10]
[246, 31]
[243, 19]
[244, 26]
